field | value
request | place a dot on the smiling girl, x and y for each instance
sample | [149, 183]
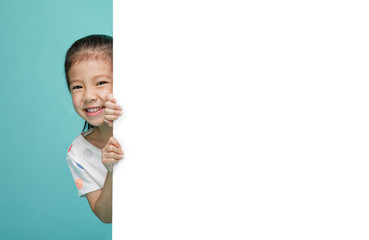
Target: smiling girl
[89, 75]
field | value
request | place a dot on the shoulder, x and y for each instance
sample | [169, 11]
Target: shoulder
[82, 150]
[74, 149]
[80, 143]
[76, 144]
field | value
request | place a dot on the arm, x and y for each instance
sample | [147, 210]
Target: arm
[101, 200]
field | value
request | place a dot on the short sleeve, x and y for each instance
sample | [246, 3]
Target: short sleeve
[83, 181]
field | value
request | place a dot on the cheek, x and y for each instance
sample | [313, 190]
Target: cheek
[76, 101]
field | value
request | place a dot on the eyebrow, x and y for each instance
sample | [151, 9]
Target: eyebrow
[73, 81]
[102, 75]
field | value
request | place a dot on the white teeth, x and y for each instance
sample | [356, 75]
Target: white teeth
[93, 109]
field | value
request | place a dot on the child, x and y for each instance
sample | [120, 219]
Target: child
[89, 74]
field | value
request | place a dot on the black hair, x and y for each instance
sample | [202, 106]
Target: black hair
[97, 46]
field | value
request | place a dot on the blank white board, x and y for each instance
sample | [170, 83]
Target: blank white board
[242, 119]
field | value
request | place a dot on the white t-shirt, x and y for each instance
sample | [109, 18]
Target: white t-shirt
[84, 161]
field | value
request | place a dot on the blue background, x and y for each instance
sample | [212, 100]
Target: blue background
[38, 196]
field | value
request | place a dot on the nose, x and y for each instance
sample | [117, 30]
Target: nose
[90, 94]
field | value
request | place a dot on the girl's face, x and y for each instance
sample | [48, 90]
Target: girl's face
[91, 81]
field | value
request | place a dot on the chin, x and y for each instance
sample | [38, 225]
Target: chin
[94, 121]
[95, 124]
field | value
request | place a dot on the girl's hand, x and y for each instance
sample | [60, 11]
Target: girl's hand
[111, 154]
[112, 110]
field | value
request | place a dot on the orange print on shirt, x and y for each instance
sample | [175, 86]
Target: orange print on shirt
[79, 183]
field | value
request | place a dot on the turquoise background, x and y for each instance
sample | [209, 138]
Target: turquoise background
[38, 123]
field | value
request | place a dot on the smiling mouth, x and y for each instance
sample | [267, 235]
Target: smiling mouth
[92, 112]
[93, 109]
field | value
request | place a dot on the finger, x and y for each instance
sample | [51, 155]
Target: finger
[114, 141]
[109, 111]
[111, 117]
[115, 156]
[111, 160]
[112, 105]
[113, 149]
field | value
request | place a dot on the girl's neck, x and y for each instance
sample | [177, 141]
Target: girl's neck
[100, 136]
[104, 132]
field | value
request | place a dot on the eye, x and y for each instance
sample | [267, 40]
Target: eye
[76, 87]
[101, 83]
